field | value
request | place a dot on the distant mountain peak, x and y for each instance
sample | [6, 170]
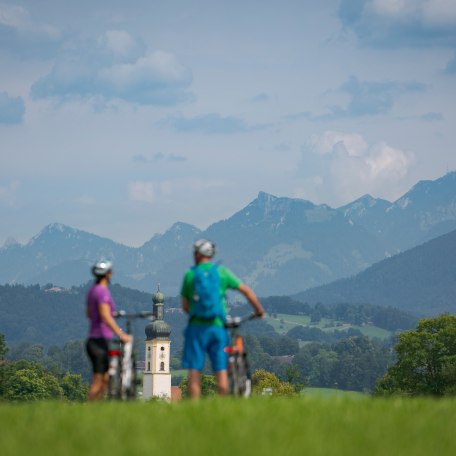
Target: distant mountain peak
[264, 202]
[449, 178]
[265, 198]
[182, 226]
[54, 229]
[367, 198]
[10, 242]
[181, 229]
[364, 208]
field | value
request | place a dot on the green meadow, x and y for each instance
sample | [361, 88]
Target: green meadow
[282, 323]
[307, 425]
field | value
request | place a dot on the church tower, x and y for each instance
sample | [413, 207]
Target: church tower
[157, 374]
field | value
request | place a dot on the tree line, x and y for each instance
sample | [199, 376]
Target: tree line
[304, 356]
[421, 362]
[30, 380]
[388, 317]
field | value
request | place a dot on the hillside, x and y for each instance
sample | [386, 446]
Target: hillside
[421, 280]
[54, 316]
[32, 314]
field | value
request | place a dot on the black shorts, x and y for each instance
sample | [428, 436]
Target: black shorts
[98, 352]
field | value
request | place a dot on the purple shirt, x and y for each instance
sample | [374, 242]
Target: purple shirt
[97, 295]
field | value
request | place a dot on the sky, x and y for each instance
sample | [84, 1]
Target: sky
[121, 118]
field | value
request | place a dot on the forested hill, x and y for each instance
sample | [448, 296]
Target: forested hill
[421, 281]
[54, 316]
[51, 316]
[49, 325]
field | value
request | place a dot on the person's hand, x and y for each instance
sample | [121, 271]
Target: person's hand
[259, 313]
[125, 338]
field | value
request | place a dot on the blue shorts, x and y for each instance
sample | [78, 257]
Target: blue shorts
[201, 339]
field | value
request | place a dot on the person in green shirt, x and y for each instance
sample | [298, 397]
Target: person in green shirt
[209, 335]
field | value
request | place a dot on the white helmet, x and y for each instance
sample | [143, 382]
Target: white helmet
[101, 268]
[204, 247]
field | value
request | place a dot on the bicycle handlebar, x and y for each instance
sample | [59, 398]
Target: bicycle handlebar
[141, 314]
[235, 322]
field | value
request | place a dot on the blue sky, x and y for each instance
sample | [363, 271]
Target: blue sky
[121, 118]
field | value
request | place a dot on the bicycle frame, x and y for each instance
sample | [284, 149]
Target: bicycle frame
[122, 361]
[239, 378]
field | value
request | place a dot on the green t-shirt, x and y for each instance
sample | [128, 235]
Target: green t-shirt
[228, 280]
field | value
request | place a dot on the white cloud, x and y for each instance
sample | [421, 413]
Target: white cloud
[159, 69]
[393, 8]
[354, 144]
[142, 191]
[21, 35]
[171, 189]
[340, 167]
[401, 23]
[387, 163]
[14, 16]
[116, 66]
[119, 42]
[184, 187]
[431, 12]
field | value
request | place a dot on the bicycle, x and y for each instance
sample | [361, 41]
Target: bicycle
[239, 376]
[122, 361]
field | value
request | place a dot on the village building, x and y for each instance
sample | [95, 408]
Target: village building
[157, 374]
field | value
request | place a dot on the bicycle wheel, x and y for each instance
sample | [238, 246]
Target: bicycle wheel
[131, 390]
[233, 374]
[114, 382]
[244, 380]
[127, 376]
[114, 387]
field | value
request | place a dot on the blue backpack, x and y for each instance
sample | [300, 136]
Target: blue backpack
[207, 303]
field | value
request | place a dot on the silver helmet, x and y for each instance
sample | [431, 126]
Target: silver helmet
[101, 268]
[204, 247]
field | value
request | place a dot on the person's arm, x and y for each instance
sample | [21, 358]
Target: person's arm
[186, 292]
[105, 314]
[185, 305]
[252, 298]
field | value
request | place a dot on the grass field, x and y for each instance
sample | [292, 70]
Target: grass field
[330, 393]
[341, 425]
[284, 322]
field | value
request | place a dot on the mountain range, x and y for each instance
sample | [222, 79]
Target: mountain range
[278, 245]
[421, 280]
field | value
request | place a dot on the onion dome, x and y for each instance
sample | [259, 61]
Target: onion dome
[158, 297]
[158, 329]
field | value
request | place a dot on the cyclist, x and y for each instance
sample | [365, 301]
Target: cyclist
[209, 336]
[99, 310]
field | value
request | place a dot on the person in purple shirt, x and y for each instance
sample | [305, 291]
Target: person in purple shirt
[99, 310]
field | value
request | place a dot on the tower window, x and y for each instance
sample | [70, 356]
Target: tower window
[148, 366]
[162, 348]
[162, 366]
